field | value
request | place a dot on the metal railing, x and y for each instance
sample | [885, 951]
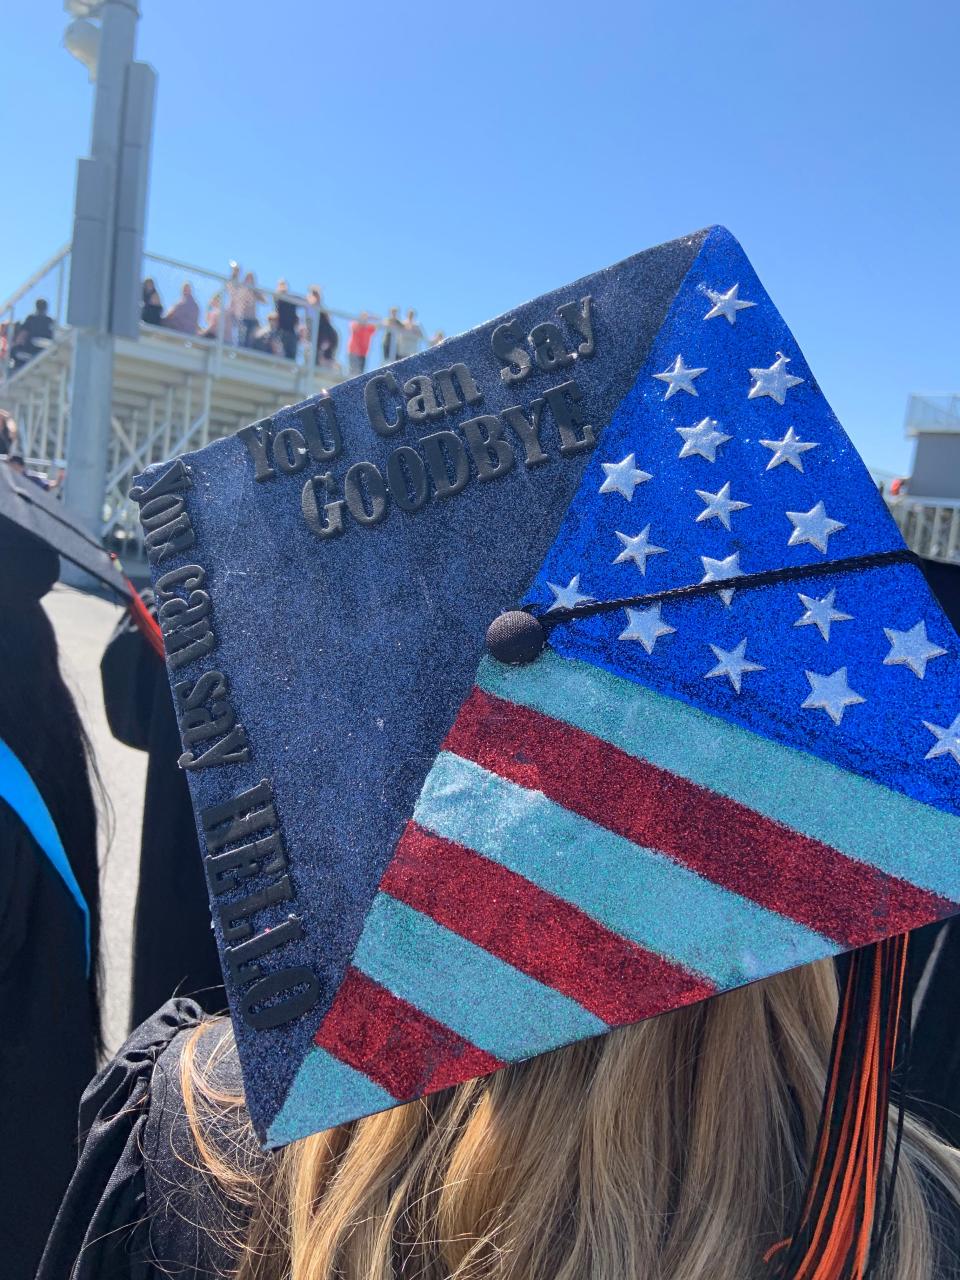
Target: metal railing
[219, 326]
[937, 413]
[50, 282]
[930, 527]
[219, 332]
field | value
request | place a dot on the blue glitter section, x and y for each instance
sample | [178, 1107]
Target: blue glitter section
[883, 738]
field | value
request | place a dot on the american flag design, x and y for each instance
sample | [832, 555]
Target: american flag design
[677, 799]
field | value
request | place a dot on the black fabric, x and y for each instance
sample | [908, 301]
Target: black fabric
[327, 337]
[933, 1085]
[286, 315]
[137, 1207]
[39, 326]
[47, 1053]
[29, 566]
[173, 946]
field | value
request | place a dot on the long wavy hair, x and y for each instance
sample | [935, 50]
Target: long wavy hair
[674, 1149]
[40, 724]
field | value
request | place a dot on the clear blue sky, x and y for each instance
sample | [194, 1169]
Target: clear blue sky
[460, 159]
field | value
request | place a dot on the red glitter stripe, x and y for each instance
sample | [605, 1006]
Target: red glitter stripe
[724, 841]
[541, 935]
[396, 1045]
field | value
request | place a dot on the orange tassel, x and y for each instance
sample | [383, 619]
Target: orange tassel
[840, 1229]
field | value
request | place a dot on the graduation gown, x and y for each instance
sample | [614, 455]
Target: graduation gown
[138, 1207]
[47, 1054]
[173, 947]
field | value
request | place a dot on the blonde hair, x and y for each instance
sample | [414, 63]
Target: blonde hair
[674, 1149]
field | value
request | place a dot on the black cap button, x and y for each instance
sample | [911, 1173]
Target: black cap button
[516, 637]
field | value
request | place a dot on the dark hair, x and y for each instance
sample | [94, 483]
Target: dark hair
[41, 306]
[40, 724]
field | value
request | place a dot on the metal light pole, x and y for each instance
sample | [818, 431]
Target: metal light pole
[109, 214]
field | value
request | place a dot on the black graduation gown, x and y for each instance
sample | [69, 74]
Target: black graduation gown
[47, 1053]
[173, 944]
[138, 1208]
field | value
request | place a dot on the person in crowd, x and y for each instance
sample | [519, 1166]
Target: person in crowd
[319, 321]
[243, 305]
[437, 338]
[184, 316]
[5, 327]
[287, 322]
[269, 339]
[151, 309]
[392, 328]
[8, 433]
[670, 1148]
[49, 908]
[358, 345]
[218, 317]
[31, 335]
[409, 337]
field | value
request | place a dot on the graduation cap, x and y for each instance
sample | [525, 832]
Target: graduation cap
[564, 674]
[35, 528]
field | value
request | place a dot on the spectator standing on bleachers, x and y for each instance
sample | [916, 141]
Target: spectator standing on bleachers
[151, 310]
[392, 328]
[184, 316]
[31, 335]
[243, 304]
[327, 338]
[410, 336]
[287, 322]
[217, 315]
[361, 331]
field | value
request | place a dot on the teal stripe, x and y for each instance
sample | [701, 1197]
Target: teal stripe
[634, 891]
[861, 818]
[483, 999]
[325, 1092]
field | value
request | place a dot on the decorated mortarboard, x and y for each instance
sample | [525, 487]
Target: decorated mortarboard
[559, 676]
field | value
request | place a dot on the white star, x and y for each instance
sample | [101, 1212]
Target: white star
[623, 477]
[726, 304]
[567, 597]
[911, 649]
[830, 694]
[718, 570]
[821, 613]
[947, 740]
[703, 439]
[719, 504]
[645, 625]
[680, 378]
[774, 382]
[732, 663]
[638, 549]
[787, 450]
[813, 526]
